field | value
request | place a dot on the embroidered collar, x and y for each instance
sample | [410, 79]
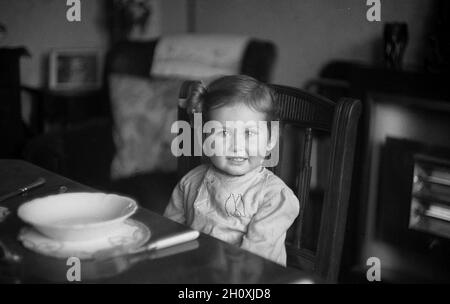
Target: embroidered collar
[230, 179]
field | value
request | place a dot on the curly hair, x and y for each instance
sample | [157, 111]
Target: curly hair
[231, 90]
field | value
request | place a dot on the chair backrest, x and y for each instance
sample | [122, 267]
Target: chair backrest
[136, 58]
[311, 123]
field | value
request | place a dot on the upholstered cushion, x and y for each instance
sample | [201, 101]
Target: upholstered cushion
[143, 111]
[196, 56]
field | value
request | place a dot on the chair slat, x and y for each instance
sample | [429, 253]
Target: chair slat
[303, 184]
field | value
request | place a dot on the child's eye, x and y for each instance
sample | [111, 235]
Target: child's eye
[250, 133]
[221, 132]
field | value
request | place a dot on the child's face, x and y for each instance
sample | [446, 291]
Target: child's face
[243, 138]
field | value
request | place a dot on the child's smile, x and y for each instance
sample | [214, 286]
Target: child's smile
[242, 138]
[237, 160]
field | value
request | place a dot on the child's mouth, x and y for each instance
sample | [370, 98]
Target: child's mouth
[237, 160]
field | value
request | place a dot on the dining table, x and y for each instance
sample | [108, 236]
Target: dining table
[206, 260]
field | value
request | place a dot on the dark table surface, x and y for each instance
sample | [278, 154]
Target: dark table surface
[205, 260]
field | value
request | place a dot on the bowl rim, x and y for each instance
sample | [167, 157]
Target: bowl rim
[132, 206]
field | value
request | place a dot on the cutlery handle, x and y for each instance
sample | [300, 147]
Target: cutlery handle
[40, 181]
[37, 183]
[174, 239]
[168, 241]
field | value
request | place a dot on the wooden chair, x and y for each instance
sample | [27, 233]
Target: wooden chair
[313, 123]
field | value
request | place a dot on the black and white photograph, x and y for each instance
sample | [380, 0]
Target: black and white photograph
[228, 150]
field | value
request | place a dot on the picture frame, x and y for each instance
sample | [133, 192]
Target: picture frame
[75, 69]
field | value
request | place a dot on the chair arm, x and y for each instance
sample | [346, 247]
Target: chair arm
[259, 60]
[326, 82]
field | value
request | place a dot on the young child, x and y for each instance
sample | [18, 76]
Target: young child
[233, 197]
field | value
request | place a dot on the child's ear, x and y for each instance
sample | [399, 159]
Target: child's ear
[274, 135]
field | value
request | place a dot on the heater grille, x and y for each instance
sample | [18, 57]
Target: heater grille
[430, 197]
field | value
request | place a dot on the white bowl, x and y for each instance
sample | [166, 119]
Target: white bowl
[79, 216]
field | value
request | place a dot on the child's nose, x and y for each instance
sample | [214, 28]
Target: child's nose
[238, 141]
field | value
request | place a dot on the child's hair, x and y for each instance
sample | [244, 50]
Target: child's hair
[230, 90]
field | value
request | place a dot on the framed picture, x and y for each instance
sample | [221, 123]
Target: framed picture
[75, 69]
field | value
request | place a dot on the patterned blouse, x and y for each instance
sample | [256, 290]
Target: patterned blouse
[252, 211]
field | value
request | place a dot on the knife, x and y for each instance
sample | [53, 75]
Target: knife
[170, 240]
[164, 242]
[39, 182]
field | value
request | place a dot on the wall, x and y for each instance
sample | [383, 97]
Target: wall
[173, 16]
[42, 25]
[309, 33]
